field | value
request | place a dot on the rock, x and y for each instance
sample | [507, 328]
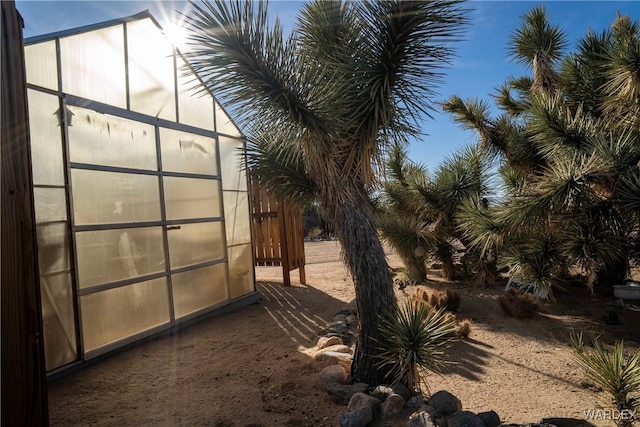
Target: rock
[360, 400]
[337, 328]
[338, 355]
[441, 422]
[334, 374]
[421, 419]
[415, 401]
[490, 418]
[393, 404]
[348, 312]
[338, 348]
[343, 336]
[341, 393]
[324, 342]
[464, 419]
[429, 410]
[342, 318]
[402, 390]
[359, 418]
[444, 403]
[334, 358]
[351, 319]
[381, 392]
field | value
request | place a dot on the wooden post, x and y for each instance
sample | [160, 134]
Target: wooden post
[23, 376]
[284, 244]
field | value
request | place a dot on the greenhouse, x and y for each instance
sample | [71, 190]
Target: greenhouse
[142, 207]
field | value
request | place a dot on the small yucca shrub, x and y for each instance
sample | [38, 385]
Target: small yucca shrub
[413, 338]
[618, 375]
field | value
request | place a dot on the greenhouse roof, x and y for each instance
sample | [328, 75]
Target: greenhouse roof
[143, 73]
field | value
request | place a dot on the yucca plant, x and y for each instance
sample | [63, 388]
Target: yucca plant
[618, 375]
[413, 338]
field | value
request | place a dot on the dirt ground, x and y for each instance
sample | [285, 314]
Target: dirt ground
[248, 368]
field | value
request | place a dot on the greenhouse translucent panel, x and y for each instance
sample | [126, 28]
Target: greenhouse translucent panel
[236, 217]
[151, 71]
[58, 320]
[197, 289]
[231, 161]
[224, 123]
[195, 108]
[46, 139]
[53, 247]
[191, 244]
[93, 65]
[110, 197]
[41, 64]
[50, 204]
[188, 152]
[118, 313]
[106, 256]
[102, 139]
[241, 278]
[192, 198]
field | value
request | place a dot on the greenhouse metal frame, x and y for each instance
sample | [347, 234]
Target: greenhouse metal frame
[141, 198]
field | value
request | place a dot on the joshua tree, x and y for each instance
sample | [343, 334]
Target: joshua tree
[569, 143]
[418, 212]
[323, 105]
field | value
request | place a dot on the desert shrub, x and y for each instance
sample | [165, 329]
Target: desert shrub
[412, 342]
[434, 300]
[463, 330]
[419, 296]
[447, 300]
[402, 278]
[517, 304]
[616, 374]
[451, 301]
[315, 232]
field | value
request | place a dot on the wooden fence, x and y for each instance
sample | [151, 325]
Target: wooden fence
[278, 238]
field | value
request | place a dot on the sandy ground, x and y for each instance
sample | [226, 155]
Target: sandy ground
[248, 368]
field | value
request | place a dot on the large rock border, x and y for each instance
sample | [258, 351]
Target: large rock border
[394, 404]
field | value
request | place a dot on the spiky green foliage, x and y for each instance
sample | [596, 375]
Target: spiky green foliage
[615, 372]
[622, 87]
[413, 341]
[568, 142]
[540, 45]
[323, 106]
[483, 233]
[417, 216]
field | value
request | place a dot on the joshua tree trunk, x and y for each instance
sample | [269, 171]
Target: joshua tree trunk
[448, 268]
[417, 270]
[364, 255]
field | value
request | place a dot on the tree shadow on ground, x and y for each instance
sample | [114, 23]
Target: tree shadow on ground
[467, 359]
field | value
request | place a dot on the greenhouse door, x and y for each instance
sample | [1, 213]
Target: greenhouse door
[147, 226]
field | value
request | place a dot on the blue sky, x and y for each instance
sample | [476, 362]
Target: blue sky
[481, 62]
